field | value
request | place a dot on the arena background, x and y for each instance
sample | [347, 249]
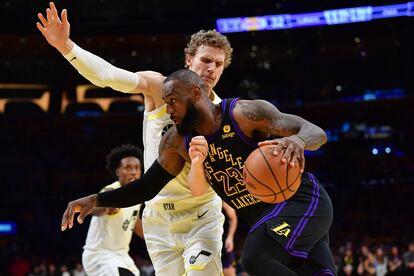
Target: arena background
[353, 80]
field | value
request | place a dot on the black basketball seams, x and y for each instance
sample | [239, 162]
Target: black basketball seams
[260, 182]
[271, 170]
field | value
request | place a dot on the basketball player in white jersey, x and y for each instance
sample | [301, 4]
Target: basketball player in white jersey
[110, 231]
[182, 232]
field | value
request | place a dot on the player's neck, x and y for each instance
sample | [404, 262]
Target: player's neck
[210, 120]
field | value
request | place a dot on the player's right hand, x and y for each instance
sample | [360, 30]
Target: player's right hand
[84, 206]
[56, 30]
[198, 149]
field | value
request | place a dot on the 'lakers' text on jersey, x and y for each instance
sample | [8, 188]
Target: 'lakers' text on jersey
[296, 224]
[228, 149]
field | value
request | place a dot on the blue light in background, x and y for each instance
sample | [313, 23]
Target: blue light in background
[7, 228]
[327, 17]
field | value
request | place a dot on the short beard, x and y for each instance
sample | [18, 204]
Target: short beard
[189, 121]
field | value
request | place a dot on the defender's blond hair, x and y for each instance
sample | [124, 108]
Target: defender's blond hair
[210, 38]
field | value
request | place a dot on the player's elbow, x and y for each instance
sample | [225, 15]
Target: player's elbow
[319, 138]
[324, 137]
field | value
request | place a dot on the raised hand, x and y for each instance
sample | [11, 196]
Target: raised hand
[84, 206]
[55, 29]
[293, 147]
[198, 149]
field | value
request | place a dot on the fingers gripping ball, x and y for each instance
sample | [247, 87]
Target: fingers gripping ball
[267, 178]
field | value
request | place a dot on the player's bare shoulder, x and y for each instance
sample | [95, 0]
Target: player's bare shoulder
[172, 151]
[171, 140]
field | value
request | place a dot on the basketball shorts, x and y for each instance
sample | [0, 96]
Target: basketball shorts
[107, 263]
[299, 223]
[183, 240]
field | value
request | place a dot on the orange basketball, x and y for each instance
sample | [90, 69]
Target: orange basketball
[267, 178]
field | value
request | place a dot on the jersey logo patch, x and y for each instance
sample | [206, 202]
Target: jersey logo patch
[125, 224]
[202, 215]
[193, 258]
[282, 229]
[227, 132]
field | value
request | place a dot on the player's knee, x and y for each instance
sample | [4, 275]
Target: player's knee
[250, 261]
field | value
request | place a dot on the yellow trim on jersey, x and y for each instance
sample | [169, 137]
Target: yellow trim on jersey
[193, 267]
[160, 113]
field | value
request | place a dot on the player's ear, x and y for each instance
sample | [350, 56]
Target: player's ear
[195, 92]
[188, 61]
[117, 172]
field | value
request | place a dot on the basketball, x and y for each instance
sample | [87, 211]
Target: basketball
[267, 178]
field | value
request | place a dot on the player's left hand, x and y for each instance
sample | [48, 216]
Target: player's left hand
[198, 149]
[293, 147]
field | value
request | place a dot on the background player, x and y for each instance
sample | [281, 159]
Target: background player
[303, 246]
[110, 231]
[227, 253]
[188, 243]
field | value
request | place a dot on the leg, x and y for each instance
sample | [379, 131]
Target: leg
[229, 271]
[263, 256]
[107, 264]
[320, 261]
[203, 243]
[165, 253]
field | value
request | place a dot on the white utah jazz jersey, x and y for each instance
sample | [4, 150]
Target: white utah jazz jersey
[156, 123]
[112, 232]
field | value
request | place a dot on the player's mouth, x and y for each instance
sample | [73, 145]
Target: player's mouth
[207, 79]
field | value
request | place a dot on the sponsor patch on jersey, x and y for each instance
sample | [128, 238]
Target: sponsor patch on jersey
[227, 132]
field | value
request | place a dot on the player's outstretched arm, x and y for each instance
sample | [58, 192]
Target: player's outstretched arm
[196, 177]
[298, 134]
[56, 30]
[169, 164]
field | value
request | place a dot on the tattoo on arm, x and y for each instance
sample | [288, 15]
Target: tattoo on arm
[255, 112]
[271, 120]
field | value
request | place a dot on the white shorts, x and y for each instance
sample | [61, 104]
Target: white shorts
[181, 241]
[106, 263]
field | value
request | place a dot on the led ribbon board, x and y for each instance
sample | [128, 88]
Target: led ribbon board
[7, 227]
[328, 17]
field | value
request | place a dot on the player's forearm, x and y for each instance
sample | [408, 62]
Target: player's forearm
[312, 135]
[138, 191]
[98, 71]
[197, 180]
[232, 228]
